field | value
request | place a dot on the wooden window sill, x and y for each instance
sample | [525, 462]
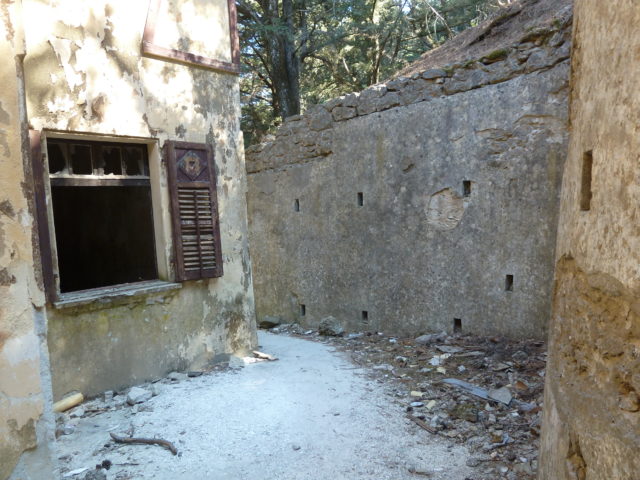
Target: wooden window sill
[114, 293]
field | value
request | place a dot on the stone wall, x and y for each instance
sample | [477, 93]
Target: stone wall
[592, 399]
[25, 384]
[421, 201]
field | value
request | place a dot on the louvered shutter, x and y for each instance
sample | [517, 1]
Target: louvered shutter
[194, 205]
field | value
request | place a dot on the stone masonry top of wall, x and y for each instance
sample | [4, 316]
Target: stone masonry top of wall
[538, 50]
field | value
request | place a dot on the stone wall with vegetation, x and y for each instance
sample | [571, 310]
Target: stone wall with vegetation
[425, 203]
[592, 397]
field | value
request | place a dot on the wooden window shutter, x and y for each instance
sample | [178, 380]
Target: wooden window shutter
[194, 208]
[42, 215]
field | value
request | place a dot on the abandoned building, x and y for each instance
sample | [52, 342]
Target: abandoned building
[123, 228]
[491, 188]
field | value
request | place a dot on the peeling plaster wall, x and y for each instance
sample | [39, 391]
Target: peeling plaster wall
[84, 73]
[420, 251]
[591, 427]
[25, 388]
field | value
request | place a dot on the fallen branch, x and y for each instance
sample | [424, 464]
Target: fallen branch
[147, 441]
[422, 424]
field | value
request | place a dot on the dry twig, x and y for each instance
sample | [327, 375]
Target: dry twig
[146, 441]
[422, 424]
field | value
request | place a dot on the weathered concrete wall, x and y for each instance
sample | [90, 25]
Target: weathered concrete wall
[25, 386]
[419, 252]
[84, 73]
[592, 398]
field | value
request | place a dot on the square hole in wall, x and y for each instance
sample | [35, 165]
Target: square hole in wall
[296, 205]
[466, 188]
[365, 317]
[457, 325]
[508, 283]
[303, 310]
[360, 199]
[585, 188]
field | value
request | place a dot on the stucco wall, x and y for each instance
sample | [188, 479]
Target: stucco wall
[419, 253]
[592, 398]
[25, 388]
[84, 73]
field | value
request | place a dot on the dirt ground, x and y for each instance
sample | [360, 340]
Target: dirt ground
[484, 393]
[311, 414]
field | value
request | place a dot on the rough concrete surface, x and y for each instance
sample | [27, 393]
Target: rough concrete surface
[591, 427]
[309, 415]
[414, 216]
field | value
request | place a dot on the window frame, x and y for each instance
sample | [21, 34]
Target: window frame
[152, 50]
[160, 202]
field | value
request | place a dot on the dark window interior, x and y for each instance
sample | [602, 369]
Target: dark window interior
[508, 283]
[457, 325]
[104, 227]
[466, 188]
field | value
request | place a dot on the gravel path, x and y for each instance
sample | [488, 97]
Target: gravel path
[311, 415]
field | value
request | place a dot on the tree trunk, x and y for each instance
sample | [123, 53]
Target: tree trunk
[283, 57]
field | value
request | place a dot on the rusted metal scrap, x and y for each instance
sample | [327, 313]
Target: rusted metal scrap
[422, 424]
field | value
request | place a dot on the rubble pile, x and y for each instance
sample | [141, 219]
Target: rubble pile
[485, 392]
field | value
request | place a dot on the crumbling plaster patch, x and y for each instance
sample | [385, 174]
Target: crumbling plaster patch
[445, 209]
[25, 424]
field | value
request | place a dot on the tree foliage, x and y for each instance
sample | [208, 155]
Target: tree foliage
[301, 52]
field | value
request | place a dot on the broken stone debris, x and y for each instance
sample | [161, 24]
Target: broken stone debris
[75, 472]
[330, 326]
[431, 338]
[493, 406]
[138, 395]
[177, 376]
[264, 356]
[268, 322]
[95, 475]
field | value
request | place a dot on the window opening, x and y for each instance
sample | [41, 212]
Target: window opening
[365, 317]
[102, 213]
[457, 325]
[296, 205]
[466, 188]
[303, 310]
[360, 199]
[585, 190]
[508, 283]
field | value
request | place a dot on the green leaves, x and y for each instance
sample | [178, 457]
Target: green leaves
[297, 53]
